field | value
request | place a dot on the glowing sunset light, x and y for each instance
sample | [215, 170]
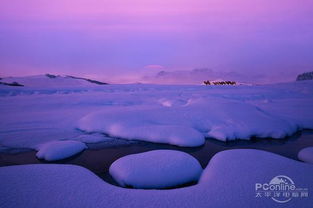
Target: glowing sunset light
[118, 39]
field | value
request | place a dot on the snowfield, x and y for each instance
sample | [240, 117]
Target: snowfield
[156, 169]
[228, 181]
[182, 115]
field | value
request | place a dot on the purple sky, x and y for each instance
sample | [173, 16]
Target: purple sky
[121, 41]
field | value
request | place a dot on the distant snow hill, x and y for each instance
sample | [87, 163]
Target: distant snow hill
[49, 80]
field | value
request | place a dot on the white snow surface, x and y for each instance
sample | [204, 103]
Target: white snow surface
[58, 150]
[182, 115]
[306, 155]
[228, 181]
[156, 169]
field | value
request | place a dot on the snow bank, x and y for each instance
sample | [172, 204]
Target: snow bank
[156, 169]
[139, 124]
[187, 125]
[306, 154]
[58, 150]
[228, 181]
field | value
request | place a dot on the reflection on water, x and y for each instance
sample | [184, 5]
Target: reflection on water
[99, 158]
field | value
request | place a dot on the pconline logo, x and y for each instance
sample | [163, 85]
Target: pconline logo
[281, 189]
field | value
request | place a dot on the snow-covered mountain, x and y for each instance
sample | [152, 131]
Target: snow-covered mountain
[49, 80]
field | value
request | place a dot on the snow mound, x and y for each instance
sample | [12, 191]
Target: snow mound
[58, 150]
[156, 169]
[189, 124]
[136, 124]
[306, 155]
[228, 181]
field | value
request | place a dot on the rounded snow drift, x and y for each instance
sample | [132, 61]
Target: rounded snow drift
[156, 169]
[58, 150]
[306, 155]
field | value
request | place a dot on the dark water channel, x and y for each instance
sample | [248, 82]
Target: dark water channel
[99, 157]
